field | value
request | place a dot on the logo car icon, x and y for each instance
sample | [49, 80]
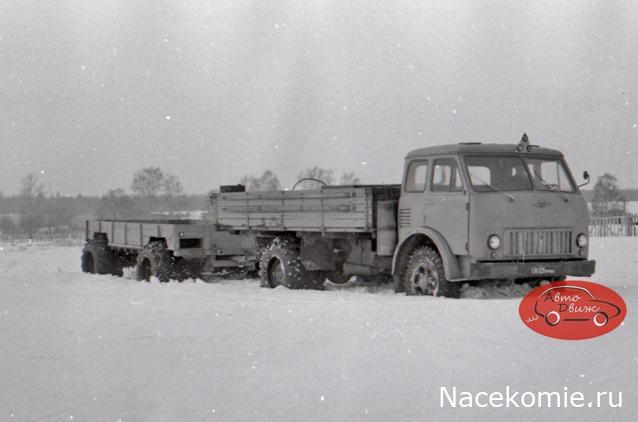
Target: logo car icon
[573, 304]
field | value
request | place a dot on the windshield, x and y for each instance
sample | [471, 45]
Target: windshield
[490, 173]
[550, 174]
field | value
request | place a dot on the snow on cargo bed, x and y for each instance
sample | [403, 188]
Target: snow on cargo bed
[83, 347]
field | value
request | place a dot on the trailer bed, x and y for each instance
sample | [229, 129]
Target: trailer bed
[135, 234]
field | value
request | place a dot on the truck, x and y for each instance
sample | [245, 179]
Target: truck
[462, 213]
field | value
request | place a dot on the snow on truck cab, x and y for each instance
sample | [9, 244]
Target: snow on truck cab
[463, 212]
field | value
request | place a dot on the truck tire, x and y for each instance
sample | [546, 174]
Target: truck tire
[280, 265]
[154, 260]
[98, 258]
[425, 275]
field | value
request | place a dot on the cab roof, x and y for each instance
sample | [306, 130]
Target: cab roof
[480, 148]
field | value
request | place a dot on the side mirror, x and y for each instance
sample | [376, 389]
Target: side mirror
[586, 177]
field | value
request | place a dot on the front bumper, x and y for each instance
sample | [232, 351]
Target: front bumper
[498, 270]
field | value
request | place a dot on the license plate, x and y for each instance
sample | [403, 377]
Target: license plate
[539, 270]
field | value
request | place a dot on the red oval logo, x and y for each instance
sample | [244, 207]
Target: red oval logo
[572, 310]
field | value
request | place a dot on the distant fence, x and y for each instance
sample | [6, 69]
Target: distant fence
[613, 226]
[42, 237]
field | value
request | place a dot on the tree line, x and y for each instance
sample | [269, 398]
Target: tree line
[153, 192]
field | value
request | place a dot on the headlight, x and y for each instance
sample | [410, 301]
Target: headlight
[494, 242]
[582, 240]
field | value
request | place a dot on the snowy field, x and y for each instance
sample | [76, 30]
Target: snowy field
[100, 348]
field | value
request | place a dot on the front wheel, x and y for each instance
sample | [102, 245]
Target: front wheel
[425, 275]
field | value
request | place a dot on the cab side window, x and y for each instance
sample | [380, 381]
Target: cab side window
[417, 173]
[446, 176]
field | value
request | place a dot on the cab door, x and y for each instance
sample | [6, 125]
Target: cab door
[412, 200]
[446, 204]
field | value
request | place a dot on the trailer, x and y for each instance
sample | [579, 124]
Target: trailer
[463, 212]
[241, 224]
[183, 237]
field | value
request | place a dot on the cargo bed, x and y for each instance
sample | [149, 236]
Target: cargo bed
[330, 209]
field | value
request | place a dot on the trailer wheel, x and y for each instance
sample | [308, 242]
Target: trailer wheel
[425, 275]
[280, 265]
[154, 260]
[98, 258]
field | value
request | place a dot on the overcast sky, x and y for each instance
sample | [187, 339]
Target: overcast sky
[211, 90]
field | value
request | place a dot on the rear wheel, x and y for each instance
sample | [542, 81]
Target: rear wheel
[280, 265]
[425, 275]
[155, 260]
[98, 258]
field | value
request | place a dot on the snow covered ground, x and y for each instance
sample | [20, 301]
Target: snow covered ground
[100, 348]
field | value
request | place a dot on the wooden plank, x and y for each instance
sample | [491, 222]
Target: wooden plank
[119, 233]
[328, 209]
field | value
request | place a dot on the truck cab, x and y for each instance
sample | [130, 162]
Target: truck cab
[490, 211]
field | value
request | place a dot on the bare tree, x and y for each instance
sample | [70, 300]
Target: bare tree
[31, 187]
[267, 181]
[171, 189]
[31, 207]
[316, 172]
[151, 182]
[607, 197]
[147, 182]
[171, 186]
[349, 178]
